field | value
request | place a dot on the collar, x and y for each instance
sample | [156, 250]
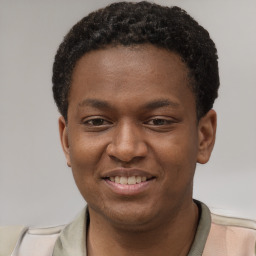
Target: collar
[202, 231]
[72, 240]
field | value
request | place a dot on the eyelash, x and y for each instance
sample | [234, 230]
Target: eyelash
[95, 120]
[166, 121]
[102, 122]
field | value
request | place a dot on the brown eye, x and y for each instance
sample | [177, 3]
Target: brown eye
[96, 122]
[159, 122]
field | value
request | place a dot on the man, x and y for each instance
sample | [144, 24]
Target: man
[135, 85]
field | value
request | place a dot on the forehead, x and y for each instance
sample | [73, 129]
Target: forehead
[138, 73]
[145, 57]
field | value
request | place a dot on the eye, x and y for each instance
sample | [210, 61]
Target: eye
[159, 122]
[96, 122]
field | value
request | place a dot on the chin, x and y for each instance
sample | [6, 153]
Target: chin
[128, 216]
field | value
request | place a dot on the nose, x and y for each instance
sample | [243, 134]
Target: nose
[127, 143]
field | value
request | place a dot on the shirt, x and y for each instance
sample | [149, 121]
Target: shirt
[215, 236]
[72, 240]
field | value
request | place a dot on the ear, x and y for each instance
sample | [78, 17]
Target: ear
[206, 136]
[63, 130]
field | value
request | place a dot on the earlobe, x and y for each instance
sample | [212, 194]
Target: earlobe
[206, 136]
[63, 130]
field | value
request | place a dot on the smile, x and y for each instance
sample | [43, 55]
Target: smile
[129, 186]
[132, 180]
[128, 181]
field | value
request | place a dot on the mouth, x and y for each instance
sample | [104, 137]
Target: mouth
[131, 180]
[128, 181]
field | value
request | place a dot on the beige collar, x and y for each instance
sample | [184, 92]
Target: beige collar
[72, 240]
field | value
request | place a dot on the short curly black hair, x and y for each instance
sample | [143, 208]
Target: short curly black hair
[129, 23]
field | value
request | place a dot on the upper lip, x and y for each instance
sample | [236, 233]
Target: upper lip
[127, 172]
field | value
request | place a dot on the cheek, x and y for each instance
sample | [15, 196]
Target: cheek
[179, 162]
[86, 152]
[177, 148]
[85, 156]
[177, 155]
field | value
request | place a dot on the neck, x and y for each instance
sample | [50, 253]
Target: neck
[174, 237]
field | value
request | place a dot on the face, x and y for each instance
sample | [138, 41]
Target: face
[132, 138]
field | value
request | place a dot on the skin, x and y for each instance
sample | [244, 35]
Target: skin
[132, 107]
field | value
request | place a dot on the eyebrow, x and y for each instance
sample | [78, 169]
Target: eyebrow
[160, 103]
[101, 104]
[94, 103]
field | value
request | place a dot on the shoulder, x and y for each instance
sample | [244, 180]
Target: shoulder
[234, 222]
[9, 235]
[231, 236]
[24, 240]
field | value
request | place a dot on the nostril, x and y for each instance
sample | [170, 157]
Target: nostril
[126, 152]
[121, 154]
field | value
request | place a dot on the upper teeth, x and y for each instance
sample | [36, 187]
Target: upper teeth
[128, 180]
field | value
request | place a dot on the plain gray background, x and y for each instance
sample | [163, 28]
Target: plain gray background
[36, 186]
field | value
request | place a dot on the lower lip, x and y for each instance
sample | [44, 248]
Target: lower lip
[129, 190]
